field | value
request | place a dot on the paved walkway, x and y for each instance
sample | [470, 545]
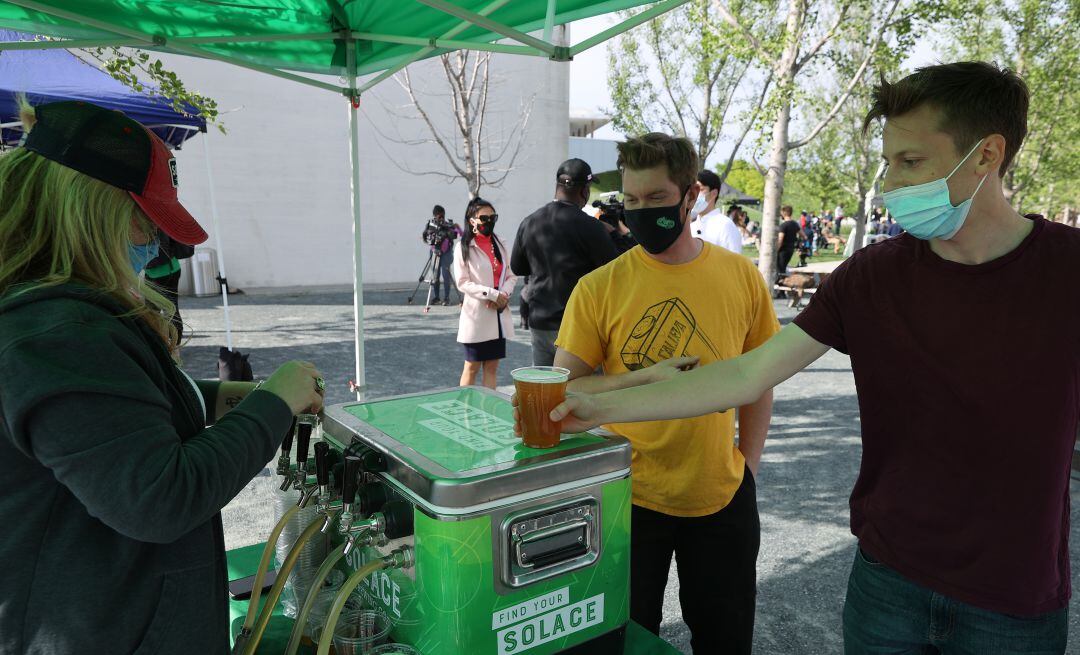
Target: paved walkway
[808, 469]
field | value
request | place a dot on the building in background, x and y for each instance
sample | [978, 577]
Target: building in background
[281, 173]
[600, 153]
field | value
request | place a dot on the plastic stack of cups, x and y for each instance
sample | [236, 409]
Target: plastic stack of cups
[317, 614]
[359, 632]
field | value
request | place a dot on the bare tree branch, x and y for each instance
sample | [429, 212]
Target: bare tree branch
[746, 129]
[430, 124]
[757, 166]
[828, 36]
[855, 79]
[655, 41]
[482, 112]
[730, 19]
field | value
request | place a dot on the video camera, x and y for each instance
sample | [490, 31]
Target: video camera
[437, 231]
[611, 212]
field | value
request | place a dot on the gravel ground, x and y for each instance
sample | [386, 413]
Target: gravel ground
[809, 466]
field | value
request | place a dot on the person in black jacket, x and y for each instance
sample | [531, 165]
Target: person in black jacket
[113, 484]
[556, 246]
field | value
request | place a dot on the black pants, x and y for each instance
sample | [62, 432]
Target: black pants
[783, 258]
[717, 558]
[168, 286]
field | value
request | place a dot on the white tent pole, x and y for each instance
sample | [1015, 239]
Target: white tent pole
[217, 239]
[358, 268]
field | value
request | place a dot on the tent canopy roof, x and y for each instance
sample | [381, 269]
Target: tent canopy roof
[54, 75]
[317, 36]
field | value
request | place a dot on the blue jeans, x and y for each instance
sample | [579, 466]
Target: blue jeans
[886, 613]
[445, 271]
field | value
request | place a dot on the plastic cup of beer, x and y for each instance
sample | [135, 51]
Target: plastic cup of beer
[540, 389]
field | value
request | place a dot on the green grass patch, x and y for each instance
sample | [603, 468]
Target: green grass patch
[821, 256]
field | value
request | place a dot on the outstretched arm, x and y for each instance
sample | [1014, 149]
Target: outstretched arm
[714, 388]
[582, 379]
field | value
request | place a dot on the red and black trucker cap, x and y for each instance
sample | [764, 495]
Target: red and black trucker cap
[108, 146]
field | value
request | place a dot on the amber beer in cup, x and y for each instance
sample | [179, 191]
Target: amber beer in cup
[540, 389]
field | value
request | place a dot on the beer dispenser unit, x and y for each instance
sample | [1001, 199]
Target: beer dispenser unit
[513, 549]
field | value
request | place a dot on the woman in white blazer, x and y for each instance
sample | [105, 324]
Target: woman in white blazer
[483, 276]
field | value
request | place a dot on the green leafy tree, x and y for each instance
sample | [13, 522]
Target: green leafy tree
[744, 177]
[698, 66]
[138, 71]
[802, 38]
[1039, 40]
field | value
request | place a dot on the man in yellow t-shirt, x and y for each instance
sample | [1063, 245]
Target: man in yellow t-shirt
[671, 303]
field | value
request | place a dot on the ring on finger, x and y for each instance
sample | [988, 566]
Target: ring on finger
[320, 384]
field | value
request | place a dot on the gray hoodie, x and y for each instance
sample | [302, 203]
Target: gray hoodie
[112, 485]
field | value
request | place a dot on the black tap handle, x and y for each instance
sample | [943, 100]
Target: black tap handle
[286, 444]
[303, 438]
[322, 465]
[353, 467]
[399, 519]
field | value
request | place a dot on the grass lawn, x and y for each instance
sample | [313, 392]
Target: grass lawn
[825, 255]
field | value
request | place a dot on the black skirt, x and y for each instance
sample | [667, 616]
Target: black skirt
[485, 351]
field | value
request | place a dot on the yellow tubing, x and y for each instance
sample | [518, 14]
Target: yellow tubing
[275, 591]
[260, 575]
[316, 586]
[339, 602]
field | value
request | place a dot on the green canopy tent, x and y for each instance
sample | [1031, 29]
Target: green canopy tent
[350, 38]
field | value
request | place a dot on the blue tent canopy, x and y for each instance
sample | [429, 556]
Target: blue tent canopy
[53, 75]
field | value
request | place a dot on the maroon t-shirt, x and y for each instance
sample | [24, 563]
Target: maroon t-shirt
[968, 380]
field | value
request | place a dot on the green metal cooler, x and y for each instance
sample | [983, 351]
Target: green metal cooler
[518, 550]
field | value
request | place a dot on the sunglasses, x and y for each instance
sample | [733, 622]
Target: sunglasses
[490, 218]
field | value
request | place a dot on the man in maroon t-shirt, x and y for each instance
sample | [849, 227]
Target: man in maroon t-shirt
[961, 507]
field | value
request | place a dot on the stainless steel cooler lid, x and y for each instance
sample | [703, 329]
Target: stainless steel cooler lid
[457, 448]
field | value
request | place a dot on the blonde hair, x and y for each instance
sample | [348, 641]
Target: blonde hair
[59, 226]
[656, 148]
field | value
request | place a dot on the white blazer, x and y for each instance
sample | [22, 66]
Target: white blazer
[476, 281]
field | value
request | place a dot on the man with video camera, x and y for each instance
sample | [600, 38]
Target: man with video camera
[440, 234]
[555, 246]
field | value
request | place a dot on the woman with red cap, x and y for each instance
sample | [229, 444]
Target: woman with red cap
[113, 482]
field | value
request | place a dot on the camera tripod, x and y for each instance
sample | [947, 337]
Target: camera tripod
[429, 274]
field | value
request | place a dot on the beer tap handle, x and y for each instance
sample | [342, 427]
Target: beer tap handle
[322, 465]
[353, 467]
[303, 439]
[286, 443]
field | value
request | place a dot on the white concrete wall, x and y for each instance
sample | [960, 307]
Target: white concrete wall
[281, 174]
[601, 154]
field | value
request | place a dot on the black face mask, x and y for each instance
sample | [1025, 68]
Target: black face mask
[656, 228]
[487, 224]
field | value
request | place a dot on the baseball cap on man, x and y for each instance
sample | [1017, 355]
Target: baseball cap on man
[108, 146]
[574, 172]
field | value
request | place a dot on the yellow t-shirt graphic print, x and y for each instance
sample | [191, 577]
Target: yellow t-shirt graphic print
[635, 312]
[665, 331]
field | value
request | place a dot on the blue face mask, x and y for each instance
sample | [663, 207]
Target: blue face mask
[700, 205]
[142, 255]
[925, 211]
